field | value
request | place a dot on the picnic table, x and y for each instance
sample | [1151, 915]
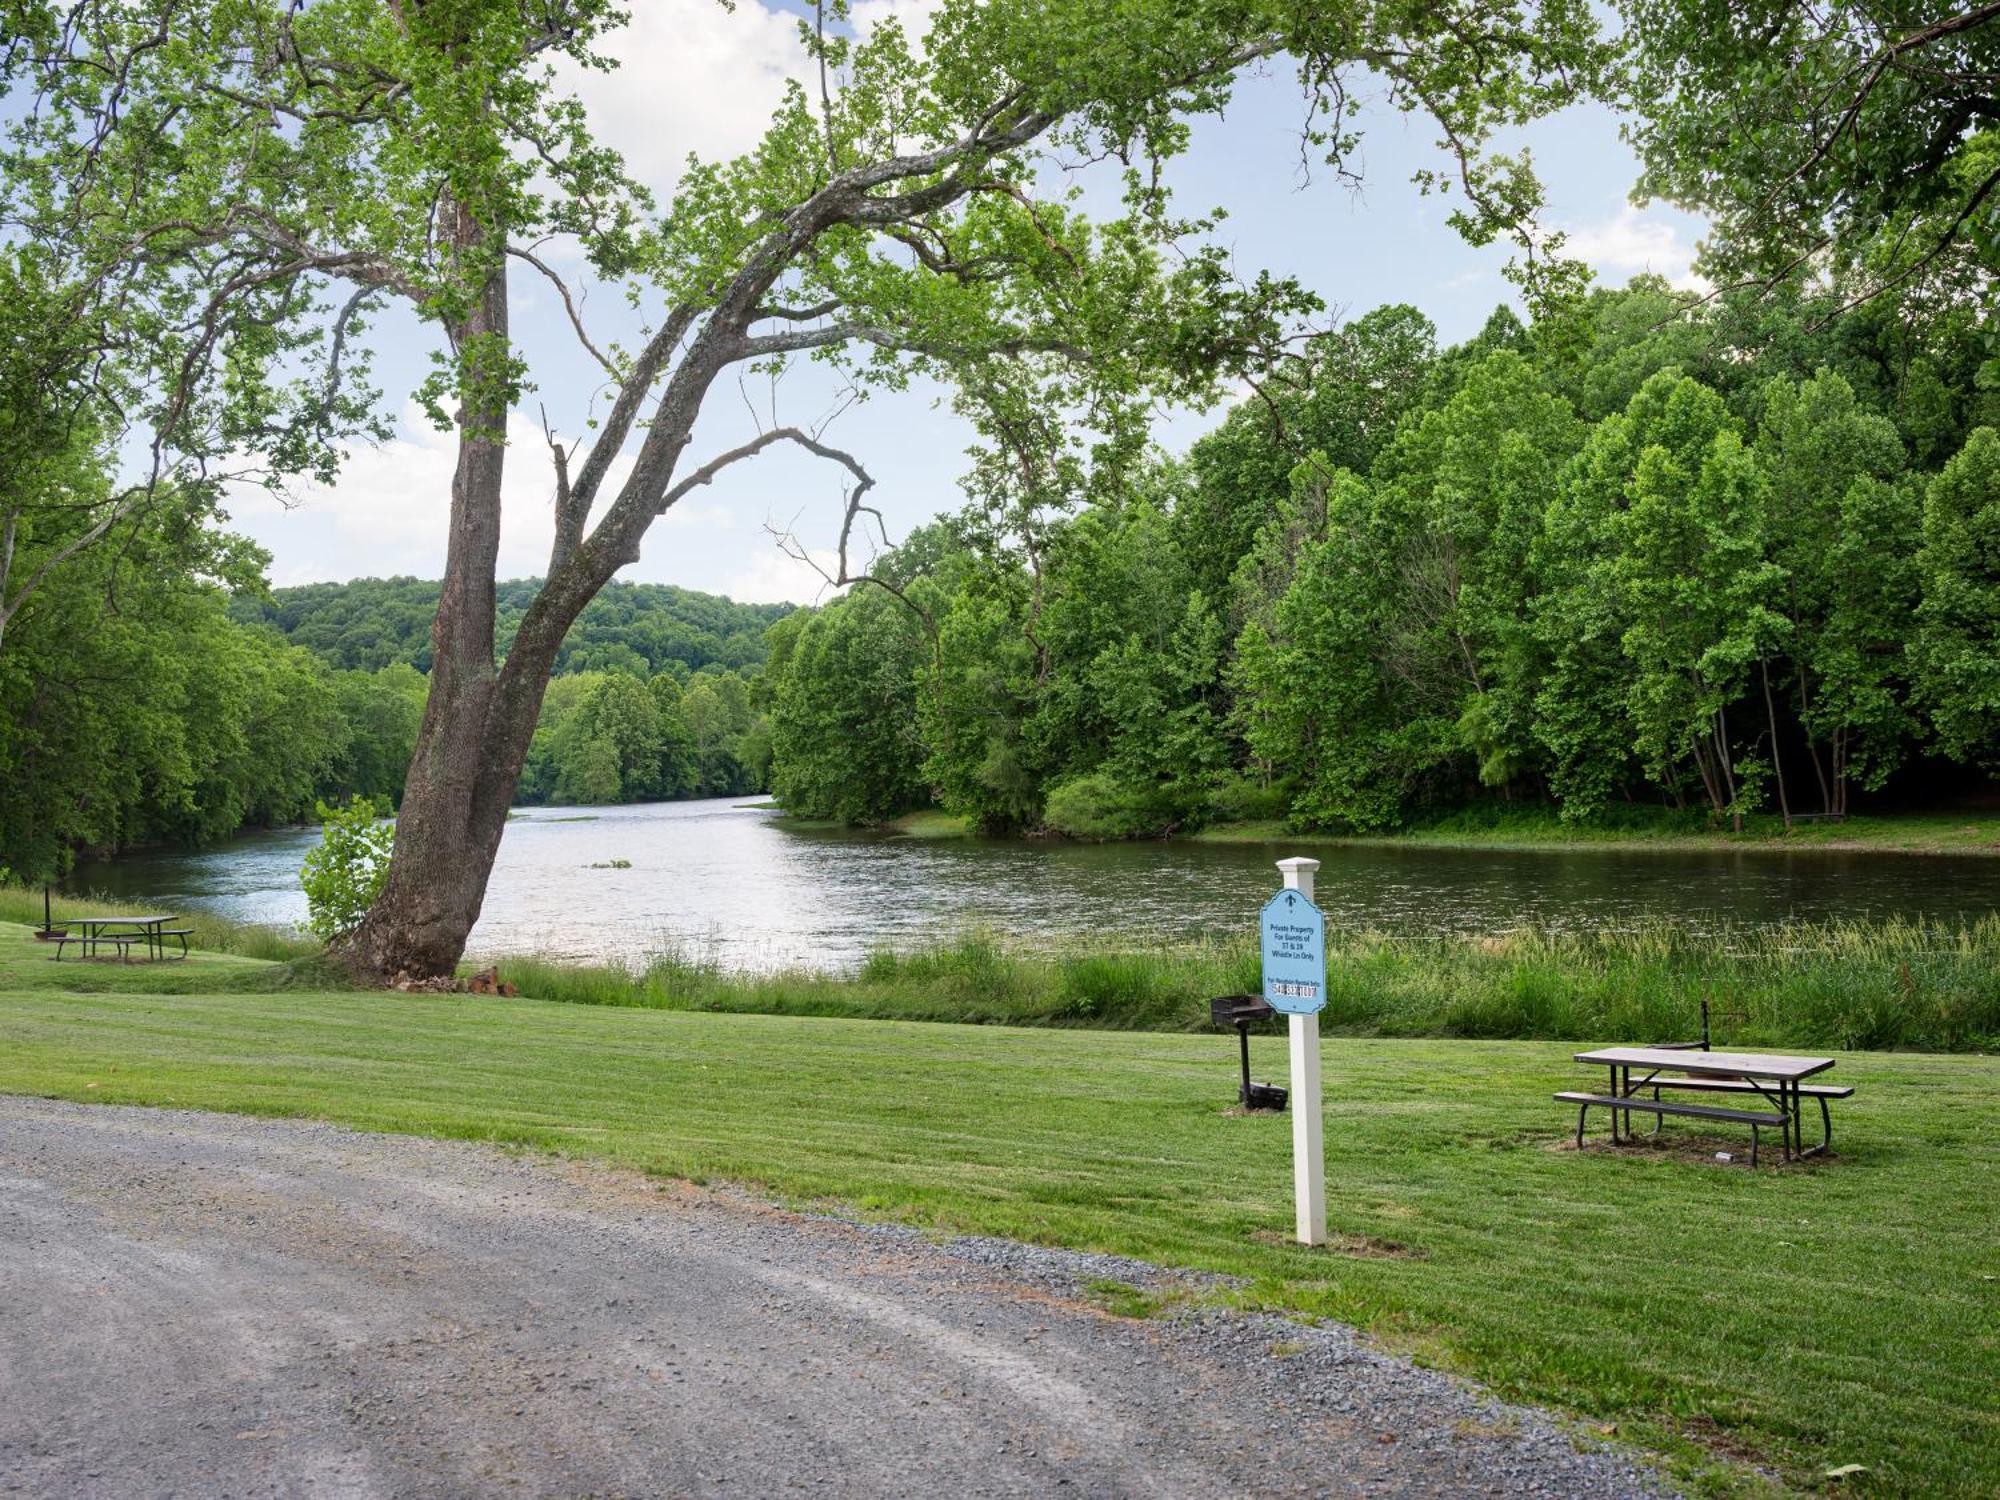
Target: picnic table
[1774, 1081]
[122, 933]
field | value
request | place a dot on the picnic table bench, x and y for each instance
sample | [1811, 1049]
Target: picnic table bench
[1776, 1081]
[121, 933]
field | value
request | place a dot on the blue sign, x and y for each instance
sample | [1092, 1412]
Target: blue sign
[1294, 954]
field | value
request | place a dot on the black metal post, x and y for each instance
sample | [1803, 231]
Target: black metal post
[1243, 1036]
[48, 923]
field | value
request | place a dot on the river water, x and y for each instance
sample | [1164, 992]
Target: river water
[729, 882]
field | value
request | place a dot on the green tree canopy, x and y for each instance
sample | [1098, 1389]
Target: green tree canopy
[1856, 136]
[1956, 653]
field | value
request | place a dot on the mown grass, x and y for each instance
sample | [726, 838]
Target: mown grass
[1658, 829]
[1858, 985]
[1803, 1317]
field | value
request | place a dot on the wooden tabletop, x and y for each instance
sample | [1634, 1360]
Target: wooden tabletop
[1737, 1064]
[116, 921]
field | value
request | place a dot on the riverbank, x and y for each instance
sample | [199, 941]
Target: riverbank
[1880, 986]
[1972, 832]
[1635, 1288]
[1965, 833]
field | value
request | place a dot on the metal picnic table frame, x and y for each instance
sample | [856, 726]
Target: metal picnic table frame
[100, 929]
[1784, 1074]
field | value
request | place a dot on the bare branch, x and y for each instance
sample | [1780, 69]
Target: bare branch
[331, 388]
[625, 409]
[825, 92]
[569, 306]
[707, 472]
[569, 525]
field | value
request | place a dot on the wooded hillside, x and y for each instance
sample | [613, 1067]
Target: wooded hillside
[640, 628]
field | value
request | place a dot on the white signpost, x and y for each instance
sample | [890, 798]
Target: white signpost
[1294, 944]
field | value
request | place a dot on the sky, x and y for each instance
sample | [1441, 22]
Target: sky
[696, 77]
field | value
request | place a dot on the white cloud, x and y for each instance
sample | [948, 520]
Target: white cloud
[769, 576]
[389, 509]
[916, 15]
[1633, 241]
[692, 76]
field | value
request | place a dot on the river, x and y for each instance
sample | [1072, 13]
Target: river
[720, 880]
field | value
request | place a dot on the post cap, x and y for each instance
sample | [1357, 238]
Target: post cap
[1298, 862]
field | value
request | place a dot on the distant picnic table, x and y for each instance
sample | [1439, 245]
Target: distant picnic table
[121, 933]
[1776, 1081]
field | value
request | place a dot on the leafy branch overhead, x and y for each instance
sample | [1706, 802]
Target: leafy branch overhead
[209, 176]
[1859, 140]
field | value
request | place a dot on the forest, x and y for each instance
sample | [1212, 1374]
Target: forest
[160, 692]
[1714, 555]
[1707, 553]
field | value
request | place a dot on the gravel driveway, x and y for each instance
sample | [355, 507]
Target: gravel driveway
[200, 1304]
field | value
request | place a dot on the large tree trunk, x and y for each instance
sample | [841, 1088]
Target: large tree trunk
[463, 774]
[479, 717]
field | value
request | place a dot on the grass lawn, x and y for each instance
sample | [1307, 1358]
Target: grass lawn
[1898, 833]
[1804, 1317]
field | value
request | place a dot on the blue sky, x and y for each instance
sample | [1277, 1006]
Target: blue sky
[695, 76]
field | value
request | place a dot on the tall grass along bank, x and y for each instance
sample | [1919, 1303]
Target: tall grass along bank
[1856, 985]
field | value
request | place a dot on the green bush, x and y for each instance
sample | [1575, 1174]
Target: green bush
[343, 873]
[1099, 806]
[1247, 799]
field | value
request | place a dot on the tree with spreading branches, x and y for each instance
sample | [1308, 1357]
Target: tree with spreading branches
[247, 188]
[1855, 140]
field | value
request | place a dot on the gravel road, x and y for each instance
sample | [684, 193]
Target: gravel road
[200, 1304]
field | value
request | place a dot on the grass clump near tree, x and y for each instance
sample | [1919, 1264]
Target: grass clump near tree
[1863, 985]
[1798, 1317]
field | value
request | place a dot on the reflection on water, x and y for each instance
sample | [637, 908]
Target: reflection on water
[728, 881]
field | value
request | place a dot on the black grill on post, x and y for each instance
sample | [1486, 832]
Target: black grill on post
[1239, 1011]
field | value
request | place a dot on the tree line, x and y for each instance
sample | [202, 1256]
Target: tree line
[635, 628]
[157, 691]
[1716, 554]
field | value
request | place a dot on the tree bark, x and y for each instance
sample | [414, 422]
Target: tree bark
[1725, 769]
[1777, 756]
[462, 777]
[1812, 749]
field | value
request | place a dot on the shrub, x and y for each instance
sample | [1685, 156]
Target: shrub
[343, 873]
[1100, 806]
[1247, 799]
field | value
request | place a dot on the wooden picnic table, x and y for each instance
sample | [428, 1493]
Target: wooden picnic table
[98, 930]
[1777, 1080]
